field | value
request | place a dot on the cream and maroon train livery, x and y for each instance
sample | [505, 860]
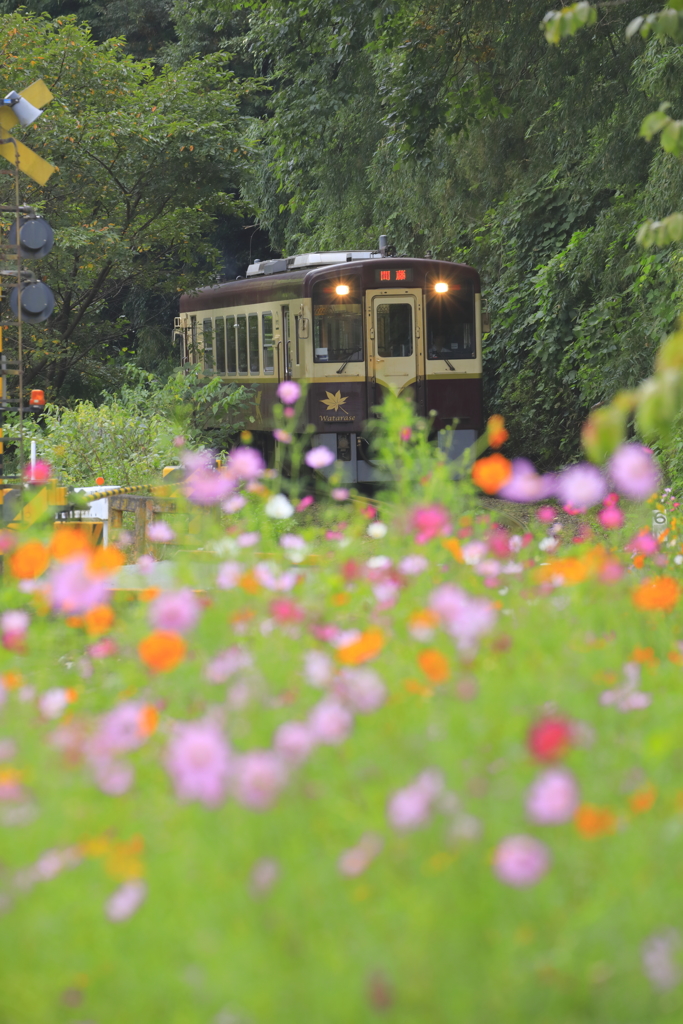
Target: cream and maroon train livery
[348, 325]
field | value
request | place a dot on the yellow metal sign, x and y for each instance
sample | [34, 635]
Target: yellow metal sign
[15, 151]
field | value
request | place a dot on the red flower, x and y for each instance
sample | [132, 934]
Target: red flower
[549, 739]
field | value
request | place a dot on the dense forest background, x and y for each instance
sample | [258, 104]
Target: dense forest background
[284, 125]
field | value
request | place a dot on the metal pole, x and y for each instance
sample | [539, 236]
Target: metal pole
[20, 348]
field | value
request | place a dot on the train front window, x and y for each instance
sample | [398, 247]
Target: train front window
[242, 361]
[394, 329]
[338, 321]
[207, 331]
[220, 345]
[230, 341]
[450, 323]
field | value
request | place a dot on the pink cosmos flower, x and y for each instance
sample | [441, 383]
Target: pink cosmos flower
[103, 649]
[73, 590]
[553, 797]
[319, 458]
[634, 471]
[318, 668]
[199, 762]
[259, 776]
[128, 898]
[234, 504]
[177, 611]
[294, 741]
[580, 487]
[118, 732]
[283, 436]
[611, 517]
[305, 503]
[466, 618]
[330, 722]
[264, 875]
[430, 521]
[473, 552]
[226, 664]
[411, 807]
[526, 484]
[13, 627]
[113, 777]
[643, 544]
[248, 540]
[38, 474]
[160, 533]
[358, 859]
[54, 702]
[208, 486]
[521, 861]
[340, 493]
[246, 464]
[361, 688]
[546, 513]
[413, 565]
[229, 575]
[289, 392]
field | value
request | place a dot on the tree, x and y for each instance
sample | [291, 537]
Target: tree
[147, 162]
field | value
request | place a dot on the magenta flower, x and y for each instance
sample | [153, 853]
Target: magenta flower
[199, 762]
[103, 649]
[72, 590]
[319, 458]
[580, 487]
[546, 514]
[294, 741]
[118, 732]
[160, 533]
[305, 503]
[177, 611]
[611, 517]
[634, 472]
[643, 544]
[205, 485]
[128, 898]
[362, 689]
[246, 464]
[226, 664]
[466, 618]
[229, 575]
[234, 504]
[259, 776]
[289, 392]
[553, 797]
[521, 861]
[429, 522]
[330, 722]
[13, 627]
[40, 473]
[526, 484]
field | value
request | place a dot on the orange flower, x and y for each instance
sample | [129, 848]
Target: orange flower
[569, 570]
[422, 624]
[68, 541]
[30, 560]
[592, 821]
[12, 680]
[366, 647]
[497, 434]
[435, 665]
[149, 594]
[418, 688]
[249, 583]
[149, 719]
[340, 599]
[453, 545]
[643, 799]
[99, 620]
[644, 655]
[659, 592]
[106, 560]
[491, 473]
[162, 651]
[676, 657]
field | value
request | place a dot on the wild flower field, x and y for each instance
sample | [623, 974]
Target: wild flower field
[340, 761]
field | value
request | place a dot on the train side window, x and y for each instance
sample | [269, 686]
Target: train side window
[253, 343]
[450, 323]
[231, 341]
[220, 344]
[242, 358]
[193, 340]
[267, 328]
[338, 320]
[394, 329]
[207, 344]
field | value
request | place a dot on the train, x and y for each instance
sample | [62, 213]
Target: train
[350, 326]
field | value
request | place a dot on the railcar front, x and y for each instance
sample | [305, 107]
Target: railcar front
[351, 326]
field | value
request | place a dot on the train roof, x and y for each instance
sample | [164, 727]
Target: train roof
[293, 277]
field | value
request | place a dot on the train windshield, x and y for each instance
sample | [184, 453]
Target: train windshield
[338, 321]
[450, 323]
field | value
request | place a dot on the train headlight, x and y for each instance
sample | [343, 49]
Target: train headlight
[440, 287]
[342, 289]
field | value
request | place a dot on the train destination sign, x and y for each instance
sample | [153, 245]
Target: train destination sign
[394, 276]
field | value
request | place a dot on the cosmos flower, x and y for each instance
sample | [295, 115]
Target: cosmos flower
[521, 861]
[358, 859]
[294, 741]
[13, 628]
[229, 575]
[550, 738]
[258, 778]
[525, 484]
[428, 522]
[176, 610]
[279, 507]
[160, 532]
[361, 688]
[288, 392]
[580, 487]
[199, 762]
[466, 618]
[634, 471]
[552, 798]
[208, 486]
[226, 664]
[411, 807]
[330, 722]
[319, 457]
[246, 464]
[126, 900]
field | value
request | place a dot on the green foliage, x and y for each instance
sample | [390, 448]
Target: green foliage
[559, 24]
[147, 161]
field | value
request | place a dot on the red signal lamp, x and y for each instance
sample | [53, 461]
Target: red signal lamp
[37, 399]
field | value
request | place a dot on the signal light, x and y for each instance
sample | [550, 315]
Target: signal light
[37, 399]
[440, 287]
[37, 302]
[342, 289]
[36, 237]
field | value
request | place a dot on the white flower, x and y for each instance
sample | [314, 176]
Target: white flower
[678, 560]
[319, 458]
[279, 507]
[548, 544]
[377, 530]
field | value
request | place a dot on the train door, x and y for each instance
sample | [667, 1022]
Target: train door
[395, 339]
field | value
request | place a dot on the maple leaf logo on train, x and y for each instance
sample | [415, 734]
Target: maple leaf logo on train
[334, 402]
